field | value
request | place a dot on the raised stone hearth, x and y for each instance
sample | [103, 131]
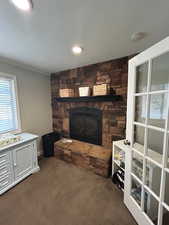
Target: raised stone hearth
[93, 157]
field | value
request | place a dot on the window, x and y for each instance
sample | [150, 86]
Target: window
[9, 112]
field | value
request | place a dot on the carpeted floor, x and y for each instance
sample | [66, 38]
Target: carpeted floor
[62, 194]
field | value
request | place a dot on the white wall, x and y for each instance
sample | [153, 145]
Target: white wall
[34, 100]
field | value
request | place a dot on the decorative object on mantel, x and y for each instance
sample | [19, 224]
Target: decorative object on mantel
[84, 91]
[67, 92]
[101, 89]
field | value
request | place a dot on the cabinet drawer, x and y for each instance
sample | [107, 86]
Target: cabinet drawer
[4, 158]
[4, 182]
[4, 170]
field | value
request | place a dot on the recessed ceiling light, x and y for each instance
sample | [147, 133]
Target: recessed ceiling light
[77, 50]
[25, 5]
[137, 36]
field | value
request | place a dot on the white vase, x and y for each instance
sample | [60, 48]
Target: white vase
[84, 91]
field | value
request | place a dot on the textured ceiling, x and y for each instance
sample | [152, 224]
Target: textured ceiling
[42, 39]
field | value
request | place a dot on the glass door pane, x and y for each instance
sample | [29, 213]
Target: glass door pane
[138, 142]
[167, 159]
[160, 73]
[166, 192]
[155, 141]
[151, 207]
[158, 110]
[137, 165]
[153, 177]
[165, 217]
[141, 75]
[140, 108]
[136, 190]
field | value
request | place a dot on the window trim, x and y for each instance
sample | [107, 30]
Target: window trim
[15, 90]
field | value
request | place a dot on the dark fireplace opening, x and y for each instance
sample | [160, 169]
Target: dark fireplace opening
[86, 125]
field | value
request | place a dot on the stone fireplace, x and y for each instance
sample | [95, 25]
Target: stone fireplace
[113, 113]
[86, 124]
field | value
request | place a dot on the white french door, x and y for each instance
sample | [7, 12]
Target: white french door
[147, 161]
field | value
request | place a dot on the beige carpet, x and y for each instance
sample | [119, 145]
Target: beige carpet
[62, 194]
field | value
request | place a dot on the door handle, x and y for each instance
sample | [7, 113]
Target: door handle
[14, 157]
[126, 142]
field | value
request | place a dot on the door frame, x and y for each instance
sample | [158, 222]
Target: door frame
[146, 56]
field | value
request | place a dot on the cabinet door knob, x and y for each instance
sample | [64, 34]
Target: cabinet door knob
[126, 142]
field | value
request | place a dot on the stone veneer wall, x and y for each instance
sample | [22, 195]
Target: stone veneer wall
[114, 73]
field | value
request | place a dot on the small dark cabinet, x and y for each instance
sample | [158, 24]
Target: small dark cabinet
[48, 141]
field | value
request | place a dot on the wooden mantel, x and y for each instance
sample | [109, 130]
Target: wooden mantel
[100, 98]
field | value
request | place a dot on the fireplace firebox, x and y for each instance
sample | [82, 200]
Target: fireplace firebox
[86, 125]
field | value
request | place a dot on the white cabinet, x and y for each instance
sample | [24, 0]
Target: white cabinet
[118, 155]
[18, 161]
[22, 160]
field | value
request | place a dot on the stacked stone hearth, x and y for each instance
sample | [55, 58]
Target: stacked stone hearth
[114, 73]
[93, 157]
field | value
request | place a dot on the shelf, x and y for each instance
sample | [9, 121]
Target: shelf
[118, 164]
[118, 157]
[99, 98]
[120, 144]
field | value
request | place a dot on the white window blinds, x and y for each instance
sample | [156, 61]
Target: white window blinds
[8, 110]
